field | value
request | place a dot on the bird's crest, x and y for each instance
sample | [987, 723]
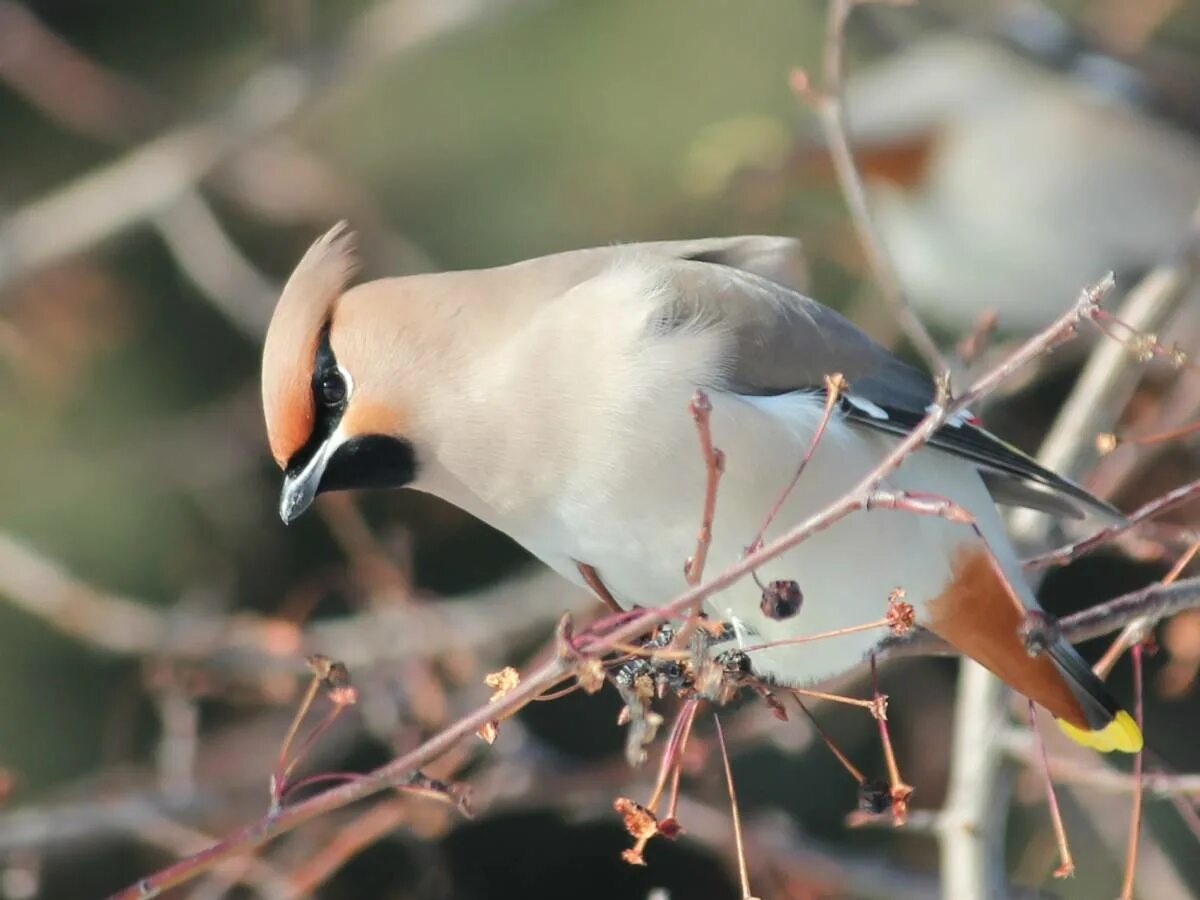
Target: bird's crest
[302, 313]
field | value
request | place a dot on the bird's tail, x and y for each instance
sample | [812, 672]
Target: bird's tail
[1109, 727]
[980, 616]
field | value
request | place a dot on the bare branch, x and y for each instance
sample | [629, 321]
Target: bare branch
[117, 624]
[1022, 745]
[1178, 497]
[153, 177]
[1156, 601]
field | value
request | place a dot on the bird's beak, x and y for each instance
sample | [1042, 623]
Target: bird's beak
[301, 483]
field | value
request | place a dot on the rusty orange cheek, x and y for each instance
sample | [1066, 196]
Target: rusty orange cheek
[366, 417]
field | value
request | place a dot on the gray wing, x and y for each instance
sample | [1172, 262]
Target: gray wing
[784, 341]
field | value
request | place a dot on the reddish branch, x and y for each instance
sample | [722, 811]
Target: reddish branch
[1135, 813]
[1155, 601]
[834, 386]
[735, 814]
[1066, 867]
[1178, 497]
[714, 465]
[900, 792]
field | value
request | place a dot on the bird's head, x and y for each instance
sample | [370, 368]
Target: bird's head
[331, 422]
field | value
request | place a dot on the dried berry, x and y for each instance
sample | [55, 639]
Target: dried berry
[781, 600]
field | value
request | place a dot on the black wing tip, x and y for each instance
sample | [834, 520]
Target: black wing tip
[1085, 501]
[1099, 706]
[992, 454]
[1025, 467]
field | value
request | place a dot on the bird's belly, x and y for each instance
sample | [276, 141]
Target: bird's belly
[639, 533]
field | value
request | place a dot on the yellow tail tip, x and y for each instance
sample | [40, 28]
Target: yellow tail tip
[1121, 734]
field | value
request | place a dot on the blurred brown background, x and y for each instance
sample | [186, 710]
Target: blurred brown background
[164, 164]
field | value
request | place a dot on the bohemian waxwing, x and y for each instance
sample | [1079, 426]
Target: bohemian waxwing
[550, 399]
[999, 183]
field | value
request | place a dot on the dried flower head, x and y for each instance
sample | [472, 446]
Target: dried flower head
[319, 665]
[501, 683]
[590, 675]
[901, 616]
[641, 825]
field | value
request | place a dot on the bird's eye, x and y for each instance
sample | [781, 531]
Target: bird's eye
[331, 389]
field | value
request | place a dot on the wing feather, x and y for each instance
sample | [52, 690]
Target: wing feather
[782, 341]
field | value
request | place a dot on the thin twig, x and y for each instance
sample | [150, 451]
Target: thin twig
[1066, 866]
[673, 750]
[144, 628]
[1022, 745]
[833, 698]
[841, 757]
[1136, 631]
[1135, 813]
[819, 636]
[714, 465]
[921, 504]
[1179, 496]
[673, 806]
[592, 579]
[834, 386]
[899, 790]
[735, 814]
[279, 776]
